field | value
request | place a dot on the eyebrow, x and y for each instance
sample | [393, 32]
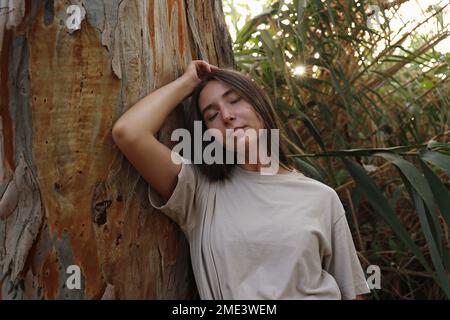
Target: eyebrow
[226, 93]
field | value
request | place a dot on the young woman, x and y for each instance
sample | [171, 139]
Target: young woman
[251, 236]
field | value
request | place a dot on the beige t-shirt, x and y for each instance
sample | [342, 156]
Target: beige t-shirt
[256, 236]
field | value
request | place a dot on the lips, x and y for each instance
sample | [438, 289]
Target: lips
[239, 131]
[236, 131]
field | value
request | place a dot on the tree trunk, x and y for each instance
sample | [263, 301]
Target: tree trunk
[67, 195]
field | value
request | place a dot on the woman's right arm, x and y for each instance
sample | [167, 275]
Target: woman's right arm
[134, 132]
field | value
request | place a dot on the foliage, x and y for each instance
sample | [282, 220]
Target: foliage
[359, 101]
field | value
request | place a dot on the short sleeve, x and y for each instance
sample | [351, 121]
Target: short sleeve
[182, 205]
[343, 263]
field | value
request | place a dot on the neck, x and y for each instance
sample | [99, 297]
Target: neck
[267, 164]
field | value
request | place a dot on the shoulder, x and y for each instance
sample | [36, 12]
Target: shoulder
[320, 187]
[327, 198]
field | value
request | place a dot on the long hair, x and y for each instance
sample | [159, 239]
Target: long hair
[250, 91]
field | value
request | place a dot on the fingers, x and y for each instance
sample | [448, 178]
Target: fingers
[199, 68]
[203, 63]
[210, 67]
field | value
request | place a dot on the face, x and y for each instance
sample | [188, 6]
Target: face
[222, 108]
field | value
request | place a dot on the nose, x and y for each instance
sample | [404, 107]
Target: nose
[227, 116]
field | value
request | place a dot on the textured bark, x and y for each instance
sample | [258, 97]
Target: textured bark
[67, 194]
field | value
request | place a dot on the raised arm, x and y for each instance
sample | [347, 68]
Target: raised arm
[134, 132]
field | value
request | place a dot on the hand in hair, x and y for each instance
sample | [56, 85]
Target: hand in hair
[197, 69]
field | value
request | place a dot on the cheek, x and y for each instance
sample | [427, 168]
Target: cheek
[255, 120]
[218, 130]
[214, 124]
[250, 114]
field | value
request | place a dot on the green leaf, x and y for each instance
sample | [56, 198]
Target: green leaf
[251, 26]
[439, 191]
[381, 206]
[309, 170]
[443, 200]
[436, 158]
[420, 185]
[266, 39]
[442, 274]
[312, 128]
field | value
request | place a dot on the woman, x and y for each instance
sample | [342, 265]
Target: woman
[251, 236]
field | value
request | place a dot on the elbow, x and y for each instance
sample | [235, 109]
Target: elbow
[125, 135]
[120, 133]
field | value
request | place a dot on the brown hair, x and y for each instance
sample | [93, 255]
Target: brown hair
[250, 91]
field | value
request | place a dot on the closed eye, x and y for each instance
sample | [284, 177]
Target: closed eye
[212, 117]
[233, 102]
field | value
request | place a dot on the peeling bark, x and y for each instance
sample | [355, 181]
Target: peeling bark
[21, 204]
[67, 194]
[11, 15]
